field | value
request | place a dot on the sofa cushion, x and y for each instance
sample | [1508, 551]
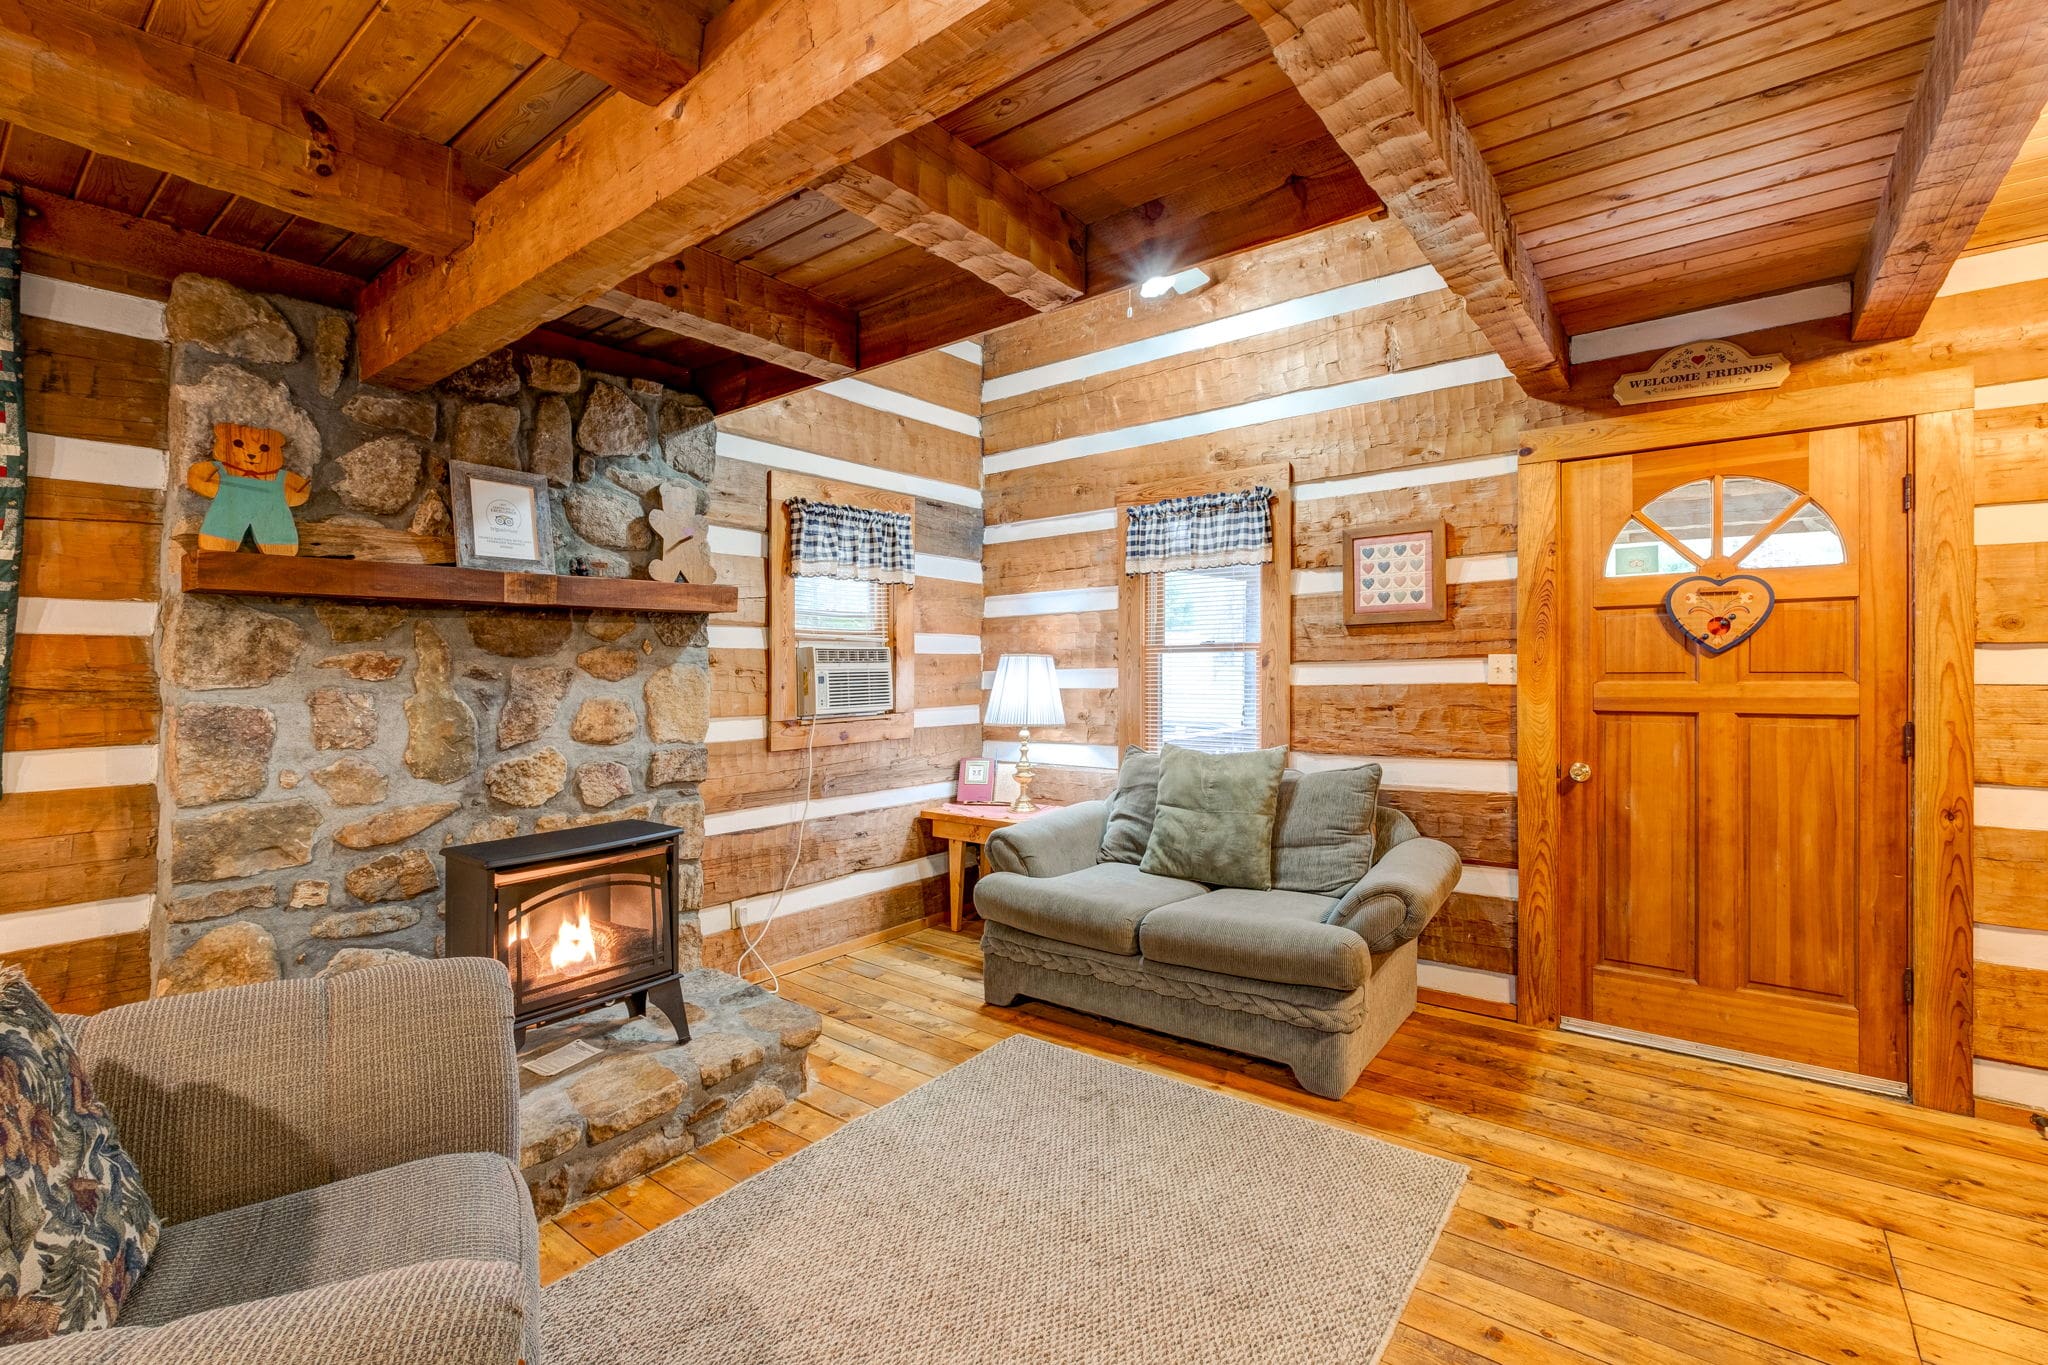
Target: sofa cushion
[1097, 907]
[466, 1206]
[1323, 829]
[1215, 820]
[1261, 935]
[76, 1228]
[1131, 808]
[1390, 829]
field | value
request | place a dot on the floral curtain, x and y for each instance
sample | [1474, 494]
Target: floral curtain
[1201, 532]
[13, 455]
[828, 540]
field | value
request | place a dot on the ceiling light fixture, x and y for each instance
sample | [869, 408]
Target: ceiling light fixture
[1186, 282]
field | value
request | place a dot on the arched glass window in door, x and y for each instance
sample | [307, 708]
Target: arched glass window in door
[1738, 520]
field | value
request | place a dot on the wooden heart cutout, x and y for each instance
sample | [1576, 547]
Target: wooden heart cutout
[1720, 613]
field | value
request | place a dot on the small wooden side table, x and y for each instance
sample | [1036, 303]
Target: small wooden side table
[960, 826]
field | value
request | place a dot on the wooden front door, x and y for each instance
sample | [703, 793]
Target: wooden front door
[1735, 823]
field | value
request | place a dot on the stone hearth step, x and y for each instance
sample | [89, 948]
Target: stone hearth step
[644, 1099]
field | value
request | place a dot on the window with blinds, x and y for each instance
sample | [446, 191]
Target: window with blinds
[1201, 664]
[842, 610]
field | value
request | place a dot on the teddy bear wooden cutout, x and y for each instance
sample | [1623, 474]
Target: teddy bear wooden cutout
[253, 493]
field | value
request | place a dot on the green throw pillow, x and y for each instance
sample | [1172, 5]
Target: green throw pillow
[1131, 808]
[1215, 820]
[1323, 829]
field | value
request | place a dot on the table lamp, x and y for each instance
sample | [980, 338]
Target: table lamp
[1026, 693]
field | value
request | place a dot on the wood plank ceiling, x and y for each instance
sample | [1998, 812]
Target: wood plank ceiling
[420, 65]
[1655, 155]
[2018, 215]
[1664, 156]
[1173, 118]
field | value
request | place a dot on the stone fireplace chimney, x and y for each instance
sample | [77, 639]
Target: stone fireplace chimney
[319, 754]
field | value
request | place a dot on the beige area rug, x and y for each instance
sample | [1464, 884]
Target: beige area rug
[1032, 1204]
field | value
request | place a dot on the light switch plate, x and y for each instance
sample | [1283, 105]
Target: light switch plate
[1500, 670]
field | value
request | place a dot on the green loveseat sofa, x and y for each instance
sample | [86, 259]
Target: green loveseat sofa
[1316, 982]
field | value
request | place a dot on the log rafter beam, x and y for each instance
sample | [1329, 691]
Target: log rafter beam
[1363, 67]
[124, 93]
[787, 93]
[55, 230]
[1985, 83]
[645, 49]
[934, 191]
[705, 297]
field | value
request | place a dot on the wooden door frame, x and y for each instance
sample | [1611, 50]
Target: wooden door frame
[1943, 614]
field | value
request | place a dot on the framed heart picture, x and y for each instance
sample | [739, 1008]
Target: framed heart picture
[1394, 574]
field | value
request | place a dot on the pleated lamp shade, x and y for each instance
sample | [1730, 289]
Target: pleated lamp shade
[1026, 693]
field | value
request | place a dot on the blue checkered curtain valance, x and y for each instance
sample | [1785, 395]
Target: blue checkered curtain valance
[1201, 532]
[829, 540]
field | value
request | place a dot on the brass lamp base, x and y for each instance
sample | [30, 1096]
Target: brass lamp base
[1023, 804]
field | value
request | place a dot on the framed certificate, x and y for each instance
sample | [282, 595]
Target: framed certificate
[503, 518]
[977, 784]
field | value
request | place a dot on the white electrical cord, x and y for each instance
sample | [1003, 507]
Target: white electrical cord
[753, 943]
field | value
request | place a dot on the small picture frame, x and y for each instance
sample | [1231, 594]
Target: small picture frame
[503, 518]
[1395, 574]
[977, 782]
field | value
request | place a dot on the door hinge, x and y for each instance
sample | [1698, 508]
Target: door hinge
[1909, 985]
[1906, 741]
[1906, 493]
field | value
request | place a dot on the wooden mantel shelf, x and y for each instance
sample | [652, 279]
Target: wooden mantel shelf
[363, 580]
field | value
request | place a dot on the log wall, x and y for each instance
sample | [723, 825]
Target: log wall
[78, 821]
[867, 864]
[1341, 354]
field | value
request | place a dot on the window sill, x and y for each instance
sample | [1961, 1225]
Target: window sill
[785, 735]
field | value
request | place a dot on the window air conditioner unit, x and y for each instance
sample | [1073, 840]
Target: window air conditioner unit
[844, 680]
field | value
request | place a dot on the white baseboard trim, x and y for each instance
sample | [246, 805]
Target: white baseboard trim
[2026, 1086]
[1496, 987]
[755, 910]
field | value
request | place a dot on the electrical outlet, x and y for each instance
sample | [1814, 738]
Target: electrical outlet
[1500, 670]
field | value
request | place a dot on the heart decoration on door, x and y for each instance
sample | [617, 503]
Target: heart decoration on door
[1720, 613]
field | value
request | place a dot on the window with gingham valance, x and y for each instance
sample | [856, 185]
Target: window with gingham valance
[831, 540]
[1200, 532]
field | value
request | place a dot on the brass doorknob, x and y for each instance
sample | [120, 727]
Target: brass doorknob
[1580, 772]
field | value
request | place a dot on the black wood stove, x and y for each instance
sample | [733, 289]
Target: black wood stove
[579, 917]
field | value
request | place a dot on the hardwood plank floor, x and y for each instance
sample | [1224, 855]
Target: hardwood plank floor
[1625, 1205]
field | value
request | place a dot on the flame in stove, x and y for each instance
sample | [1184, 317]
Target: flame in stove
[574, 942]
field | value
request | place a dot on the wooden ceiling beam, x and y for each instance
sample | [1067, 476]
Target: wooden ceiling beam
[934, 191]
[788, 92]
[120, 92]
[705, 297]
[1984, 86]
[730, 385]
[147, 255]
[1363, 67]
[645, 49]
